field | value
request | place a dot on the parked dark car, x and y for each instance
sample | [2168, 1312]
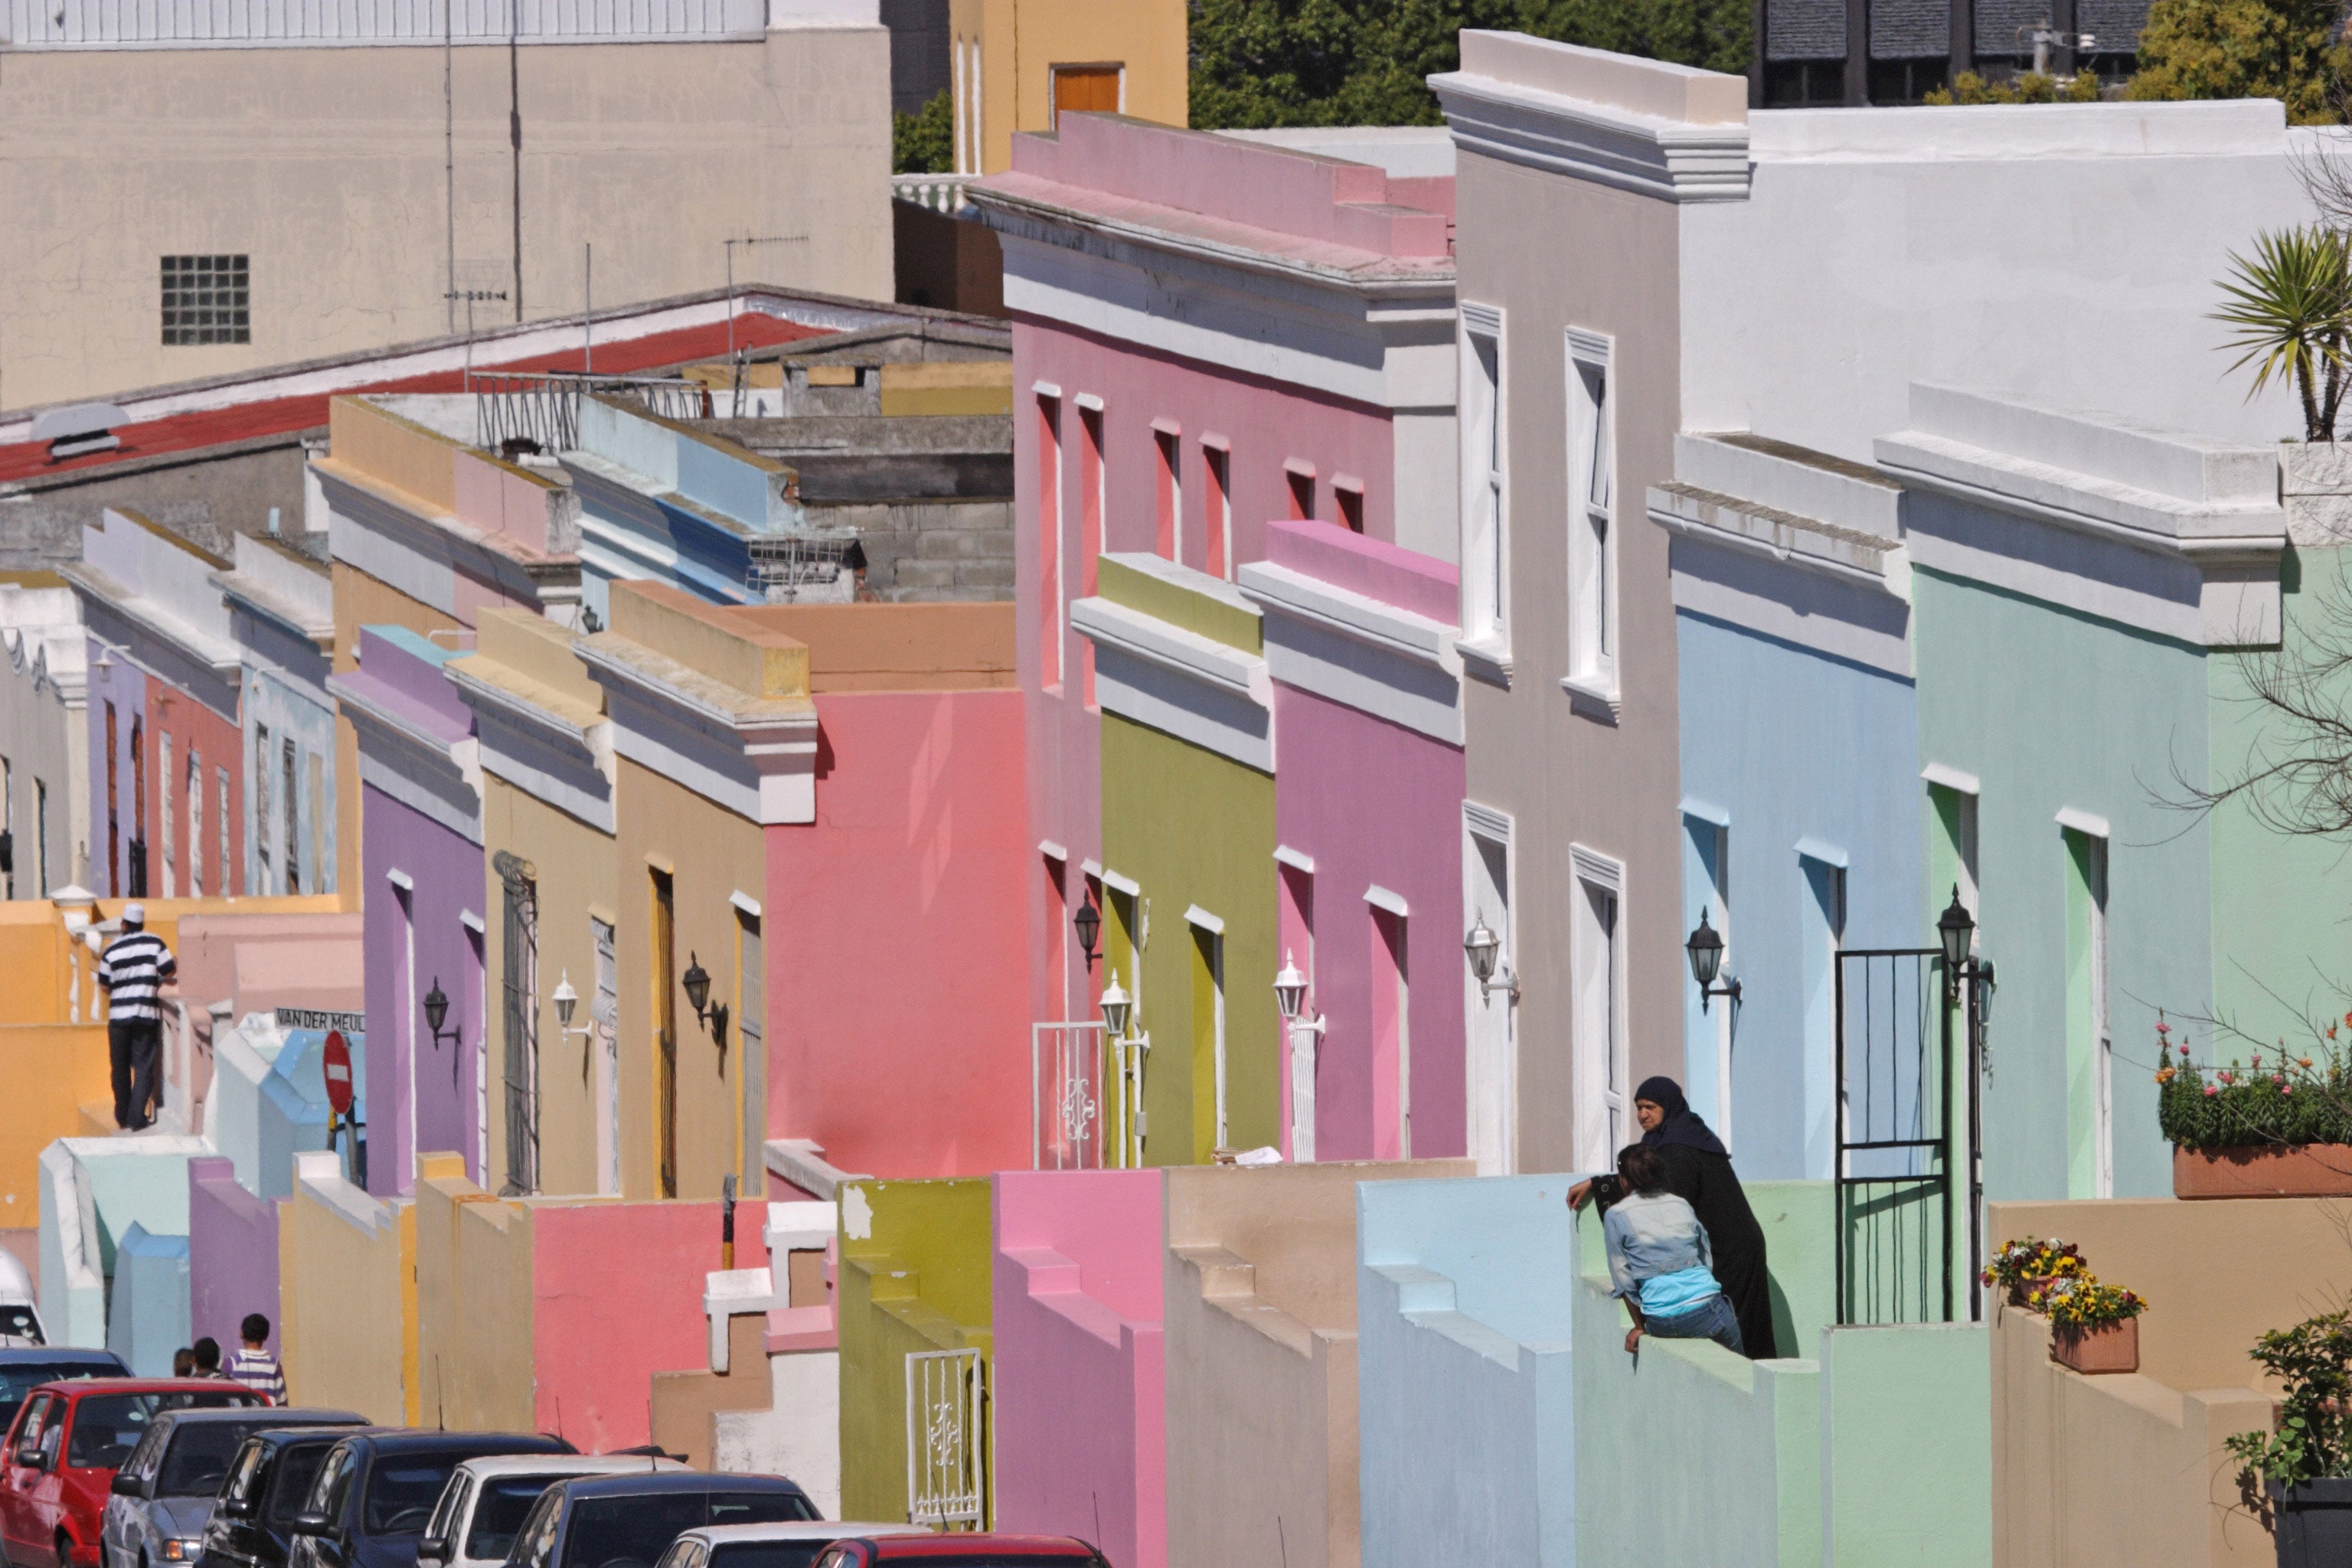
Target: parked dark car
[163, 1494]
[58, 1467]
[269, 1483]
[375, 1492]
[964, 1551]
[628, 1522]
[23, 1368]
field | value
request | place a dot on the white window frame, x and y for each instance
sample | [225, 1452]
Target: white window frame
[1485, 485]
[1491, 1066]
[195, 822]
[1594, 609]
[1604, 1115]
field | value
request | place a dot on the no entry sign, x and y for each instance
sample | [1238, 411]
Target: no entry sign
[337, 1061]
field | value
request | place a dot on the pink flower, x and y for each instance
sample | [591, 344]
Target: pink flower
[2184, 1048]
[2286, 1089]
[2162, 1028]
[2210, 1090]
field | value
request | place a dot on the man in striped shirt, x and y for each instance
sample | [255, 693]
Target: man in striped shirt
[253, 1366]
[133, 970]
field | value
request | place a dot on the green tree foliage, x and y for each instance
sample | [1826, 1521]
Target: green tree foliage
[2245, 49]
[924, 142]
[2026, 88]
[1261, 63]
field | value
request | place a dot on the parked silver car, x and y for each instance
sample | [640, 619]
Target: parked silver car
[793, 1543]
[163, 1494]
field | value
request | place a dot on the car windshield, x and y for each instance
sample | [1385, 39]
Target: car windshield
[18, 1379]
[298, 1467]
[107, 1426]
[767, 1553]
[633, 1531]
[498, 1511]
[198, 1459]
[402, 1488]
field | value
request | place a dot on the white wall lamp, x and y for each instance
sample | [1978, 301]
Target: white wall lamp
[1485, 951]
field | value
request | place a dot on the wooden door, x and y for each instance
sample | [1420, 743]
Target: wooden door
[1087, 89]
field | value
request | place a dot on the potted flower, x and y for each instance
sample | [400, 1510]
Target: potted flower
[2298, 1477]
[2277, 1123]
[2022, 1264]
[2093, 1326]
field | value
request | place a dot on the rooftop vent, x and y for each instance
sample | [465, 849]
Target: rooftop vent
[78, 428]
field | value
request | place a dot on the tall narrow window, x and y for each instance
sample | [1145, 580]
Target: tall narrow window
[1217, 505]
[1299, 480]
[750, 1032]
[1707, 1030]
[138, 806]
[165, 776]
[316, 807]
[604, 1020]
[1091, 500]
[1208, 1121]
[1050, 610]
[113, 815]
[1486, 597]
[196, 787]
[412, 1017]
[41, 831]
[1391, 1035]
[2090, 1045]
[519, 974]
[1167, 437]
[1492, 1070]
[222, 809]
[1296, 882]
[9, 818]
[664, 923]
[1821, 922]
[290, 803]
[262, 879]
[1603, 1103]
[1591, 543]
[1348, 495]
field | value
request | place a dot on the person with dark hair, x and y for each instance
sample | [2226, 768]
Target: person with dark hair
[253, 1366]
[1698, 1170]
[207, 1357]
[183, 1363]
[1658, 1258]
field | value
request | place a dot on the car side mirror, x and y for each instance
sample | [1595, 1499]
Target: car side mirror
[433, 1549]
[307, 1523]
[127, 1485]
[234, 1507]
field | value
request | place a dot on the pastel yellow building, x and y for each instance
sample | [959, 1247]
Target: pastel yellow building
[1015, 64]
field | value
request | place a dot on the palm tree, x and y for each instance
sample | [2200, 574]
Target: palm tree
[2290, 307]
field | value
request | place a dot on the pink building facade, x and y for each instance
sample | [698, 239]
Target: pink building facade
[1081, 1375]
[1208, 333]
[1368, 792]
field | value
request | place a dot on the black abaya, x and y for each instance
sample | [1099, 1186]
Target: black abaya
[1705, 1181]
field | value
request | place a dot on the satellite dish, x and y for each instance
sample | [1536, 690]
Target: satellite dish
[80, 427]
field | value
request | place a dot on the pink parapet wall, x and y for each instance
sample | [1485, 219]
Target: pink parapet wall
[1081, 1379]
[616, 1296]
[898, 966]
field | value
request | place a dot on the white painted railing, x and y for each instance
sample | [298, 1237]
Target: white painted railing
[947, 1439]
[132, 23]
[941, 192]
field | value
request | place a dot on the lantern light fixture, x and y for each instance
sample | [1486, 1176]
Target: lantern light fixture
[436, 1012]
[1704, 950]
[1485, 949]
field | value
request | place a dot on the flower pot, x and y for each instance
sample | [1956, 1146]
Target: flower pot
[2263, 1171]
[2314, 1523]
[2315, 484]
[2113, 1347]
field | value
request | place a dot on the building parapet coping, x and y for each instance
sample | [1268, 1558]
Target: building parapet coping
[801, 1162]
[1172, 649]
[220, 656]
[521, 699]
[1707, 516]
[1649, 154]
[1285, 591]
[657, 676]
[320, 1174]
[355, 697]
[250, 593]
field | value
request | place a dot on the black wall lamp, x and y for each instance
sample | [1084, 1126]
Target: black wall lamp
[1956, 932]
[436, 1012]
[713, 1014]
[1089, 924]
[1705, 950]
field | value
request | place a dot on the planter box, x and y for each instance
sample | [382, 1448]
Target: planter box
[2114, 1348]
[2263, 1171]
[2314, 1523]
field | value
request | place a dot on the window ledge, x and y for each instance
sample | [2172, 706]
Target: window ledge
[1592, 698]
[1489, 659]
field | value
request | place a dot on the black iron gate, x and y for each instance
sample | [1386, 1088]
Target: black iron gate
[1908, 1180]
[519, 967]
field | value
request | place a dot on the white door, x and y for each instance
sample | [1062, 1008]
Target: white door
[603, 1017]
[1603, 1098]
[1492, 1060]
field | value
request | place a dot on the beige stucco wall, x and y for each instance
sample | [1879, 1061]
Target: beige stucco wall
[2128, 1471]
[347, 1302]
[1022, 40]
[326, 166]
[47, 741]
[1554, 252]
[710, 854]
[1261, 1360]
[473, 1307]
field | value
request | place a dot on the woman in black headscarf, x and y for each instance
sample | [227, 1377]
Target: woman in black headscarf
[1698, 1170]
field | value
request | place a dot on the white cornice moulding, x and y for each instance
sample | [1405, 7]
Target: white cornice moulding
[1285, 855]
[2083, 822]
[1669, 159]
[1604, 871]
[1487, 822]
[1953, 779]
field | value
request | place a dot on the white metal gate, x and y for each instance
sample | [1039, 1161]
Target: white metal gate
[1077, 1120]
[947, 1439]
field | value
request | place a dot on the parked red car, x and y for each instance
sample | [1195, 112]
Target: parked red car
[58, 1467]
[975, 1550]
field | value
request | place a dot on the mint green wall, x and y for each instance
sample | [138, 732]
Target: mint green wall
[1907, 1419]
[2053, 708]
[1193, 828]
[2281, 946]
